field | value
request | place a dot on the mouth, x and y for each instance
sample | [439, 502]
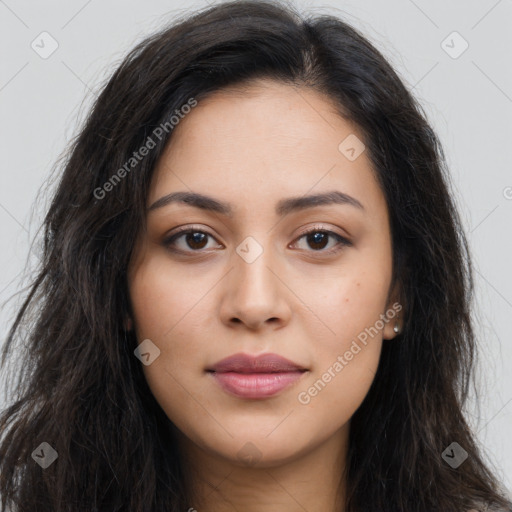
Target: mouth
[256, 377]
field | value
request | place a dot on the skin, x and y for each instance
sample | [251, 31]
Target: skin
[252, 148]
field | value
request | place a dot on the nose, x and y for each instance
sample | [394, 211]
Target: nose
[255, 294]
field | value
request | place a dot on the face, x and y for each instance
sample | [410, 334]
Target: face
[248, 278]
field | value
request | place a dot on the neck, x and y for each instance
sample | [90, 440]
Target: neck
[312, 481]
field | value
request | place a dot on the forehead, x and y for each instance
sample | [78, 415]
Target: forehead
[276, 114]
[261, 143]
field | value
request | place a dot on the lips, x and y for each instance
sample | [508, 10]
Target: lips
[264, 363]
[256, 377]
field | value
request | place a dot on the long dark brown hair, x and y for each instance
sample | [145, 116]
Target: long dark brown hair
[79, 386]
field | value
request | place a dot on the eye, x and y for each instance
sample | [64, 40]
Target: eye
[318, 239]
[194, 240]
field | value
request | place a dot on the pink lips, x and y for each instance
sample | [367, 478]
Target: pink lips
[257, 377]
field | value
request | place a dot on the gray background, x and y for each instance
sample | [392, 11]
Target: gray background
[468, 100]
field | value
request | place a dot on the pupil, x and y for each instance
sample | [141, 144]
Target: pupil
[318, 237]
[196, 239]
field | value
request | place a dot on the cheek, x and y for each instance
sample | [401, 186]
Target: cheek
[171, 308]
[347, 355]
[162, 299]
[338, 389]
[348, 349]
[348, 306]
[164, 305]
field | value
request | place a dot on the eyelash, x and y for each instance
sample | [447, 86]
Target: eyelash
[342, 242]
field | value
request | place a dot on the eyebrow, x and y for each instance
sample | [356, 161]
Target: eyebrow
[283, 207]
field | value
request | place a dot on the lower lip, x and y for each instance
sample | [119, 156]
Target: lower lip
[256, 385]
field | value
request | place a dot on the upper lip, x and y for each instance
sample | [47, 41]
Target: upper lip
[264, 363]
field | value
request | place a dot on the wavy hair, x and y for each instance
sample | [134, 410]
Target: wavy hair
[81, 390]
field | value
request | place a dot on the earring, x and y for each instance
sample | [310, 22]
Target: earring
[396, 328]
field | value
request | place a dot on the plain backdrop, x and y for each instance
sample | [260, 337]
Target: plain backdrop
[465, 91]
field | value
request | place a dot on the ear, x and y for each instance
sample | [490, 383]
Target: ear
[394, 314]
[128, 323]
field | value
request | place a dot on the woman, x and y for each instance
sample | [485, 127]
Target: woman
[255, 291]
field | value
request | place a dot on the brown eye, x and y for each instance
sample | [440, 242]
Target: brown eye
[195, 240]
[192, 240]
[318, 240]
